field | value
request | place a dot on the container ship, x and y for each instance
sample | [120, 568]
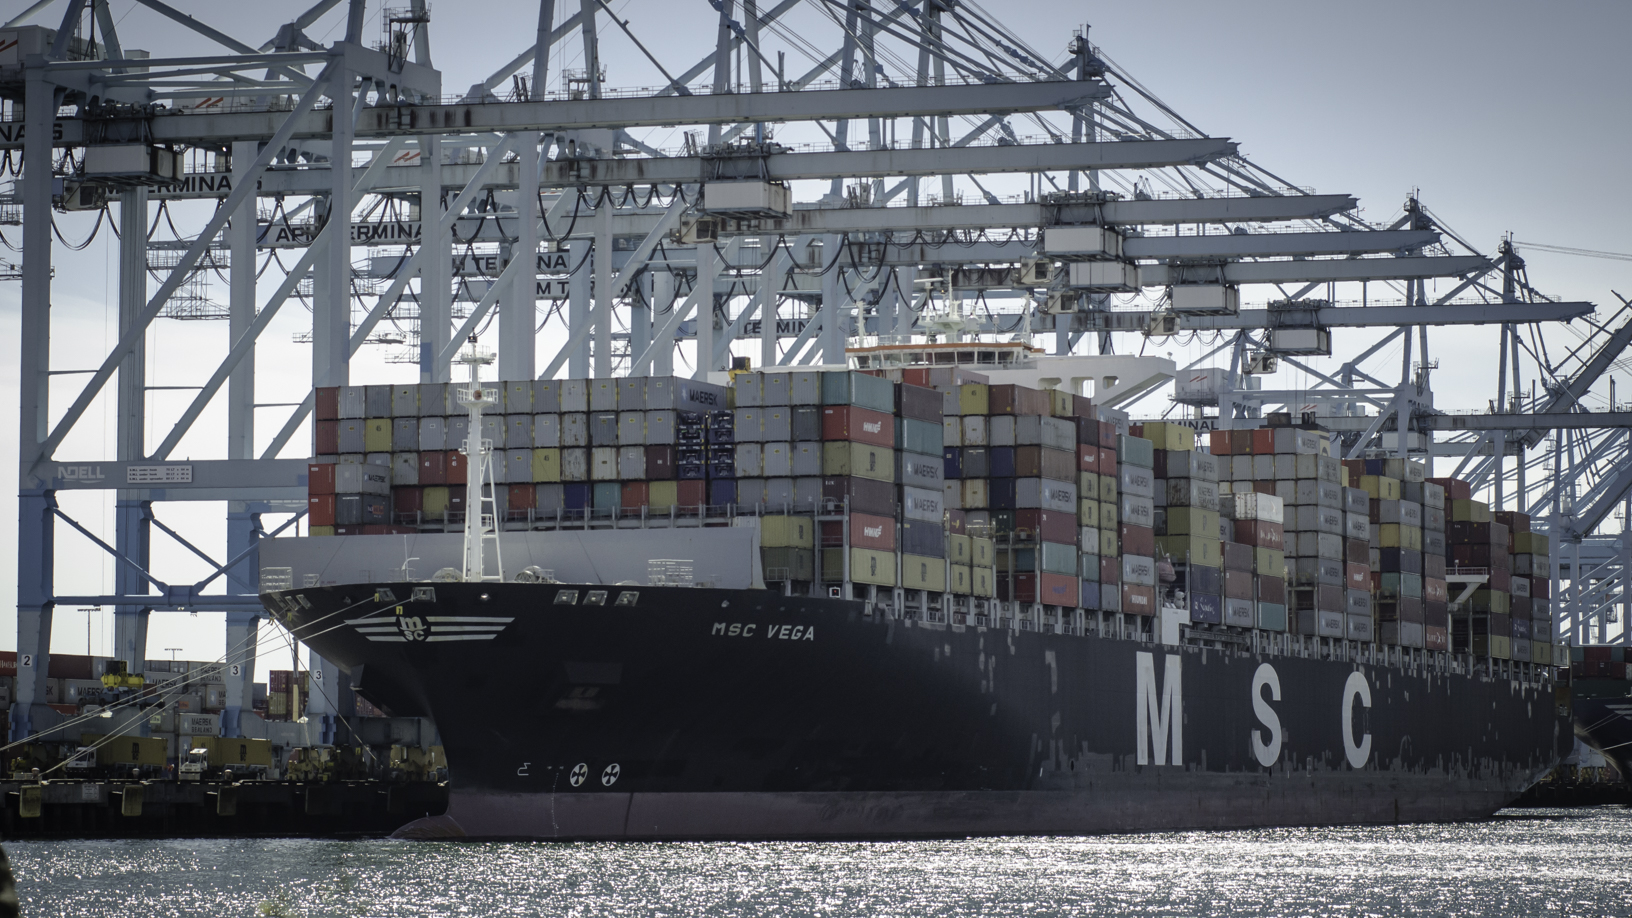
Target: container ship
[911, 601]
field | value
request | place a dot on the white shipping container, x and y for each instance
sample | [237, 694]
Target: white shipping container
[1139, 571]
[546, 396]
[774, 388]
[1138, 511]
[575, 429]
[405, 468]
[353, 402]
[632, 463]
[1205, 299]
[405, 401]
[1193, 464]
[603, 394]
[1360, 628]
[1000, 430]
[778, 460]
[952, 494]
[974, 430]
[1191, 492]
[1032, 430]
[660, 427]
[603, 463]
[574, 463]
[368, 478]
[433, 433]
[574, 396]
[632, 428]
[1240, 468]
[1263, 467]
[1286, 467]
[1105, 275]
[518, 465]
[748, 389]
[922, 504]
[1136, 481]
[951, 431]
[1044, 494]
[1254, 506]
[1072, 242]
[1357, 526]
[807, 459]
[546, 430]
[1238, 613]
[1313, 492]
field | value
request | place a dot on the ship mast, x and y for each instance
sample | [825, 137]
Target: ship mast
[481, 508]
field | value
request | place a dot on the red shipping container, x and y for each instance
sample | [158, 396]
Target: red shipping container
[401, 530]
[957, 522]
[1436, 614]
[1016, 399]
[1436, 638]
[1238, 585]
[325, 438]
[1049, 589]
[917, 376]
[876, 532]
[407, 500]
[376, 529]
[1138, 600]
[1137, 431]
[1435, 590]
[456, 500]
[320, 478]
[320, 510]
[1110, 569]
[1107, 436]
[1240, 442]
[350, 530]
[1513, 520]
[1047, 525]
[433, 467]
[1263, 487]
[327, 404]
[659, 463]
[1271, 590]
[919, 402]
[1540, 588]
[1500, 580]
[1218, 442]
[1107, 460]
[1082, 406]
[1263, 441]
[1357, 576]
[1358, 551]
[8, 662]
[860, 425]
[1455, 488]
[691, 492]
[1088, 458]
[457, 464]
[1137, 540]
[521, 497]
[635, 495]
[1260, 534]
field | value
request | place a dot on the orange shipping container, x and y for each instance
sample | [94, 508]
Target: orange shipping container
[457, 463]
[1218, 442]
[1263, 442]
[320, 478]
[635, 494]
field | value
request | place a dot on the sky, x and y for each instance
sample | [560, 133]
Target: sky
[1504, 117]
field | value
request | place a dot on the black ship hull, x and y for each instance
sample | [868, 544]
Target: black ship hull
[1603, 719]
[743, 714]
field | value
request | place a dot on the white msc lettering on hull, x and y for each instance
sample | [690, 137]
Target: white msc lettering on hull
[1267, 753]
[408, 629]
[1159, 724]
[1357, 753]
[783, 632]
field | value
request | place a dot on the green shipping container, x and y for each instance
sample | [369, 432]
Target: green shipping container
[788, 563]
[915, 436]
[1271, 616]
[1136, 452]
[851, 388]
[608, 495]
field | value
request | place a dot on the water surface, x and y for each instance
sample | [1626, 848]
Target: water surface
[1525, 862]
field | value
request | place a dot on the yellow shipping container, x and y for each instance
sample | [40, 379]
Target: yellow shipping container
[1531, 543]
[126, 750]
[981, 551]
[1107, 515]
[871, 566]
[1167, 435]
[377, 435]
[1202, 552]
[959, 550]
[1107, 488]
[434, 502]
[974, 494]
[1059, 404]
[962, 582]
[1381, 487]
[862, 460]
[922, 573]
[1269, 562]
[226, 752]
[786, 532]
[661, 495]
[1499, 646]
[1470, 511]
[1088, 513]
[974, 398]
[1395, 535]
[1088, 485]
[547, 464]
[1107, 542]
[1192, 521]
[320, 531]
[984, 583]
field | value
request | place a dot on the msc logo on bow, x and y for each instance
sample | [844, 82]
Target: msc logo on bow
[407, 629]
